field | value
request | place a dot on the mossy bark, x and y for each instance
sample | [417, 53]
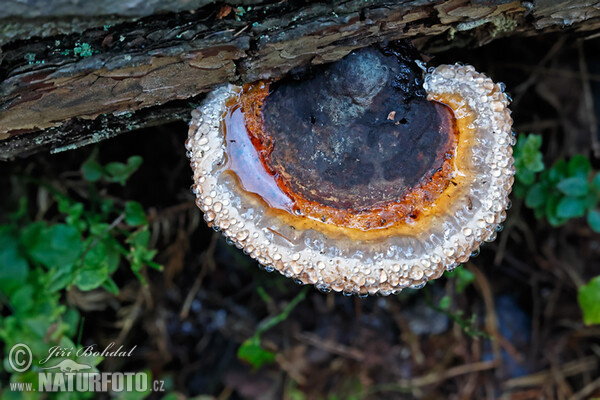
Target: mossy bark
[80, 71]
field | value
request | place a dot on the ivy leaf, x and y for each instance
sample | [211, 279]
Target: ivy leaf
[574, 187]
[593, 219]
[134, 214]
[589, 301]
[570, 207]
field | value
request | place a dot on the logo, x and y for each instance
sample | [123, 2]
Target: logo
[70, 366]
[68, 375]
[20, 357]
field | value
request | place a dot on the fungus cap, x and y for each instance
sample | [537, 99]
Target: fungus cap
[437, 220]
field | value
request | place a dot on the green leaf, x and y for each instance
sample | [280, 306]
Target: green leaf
[113, 254]
[110, 286]
[139, 253]
[463, 276]
[536, 196]
[444, 303]
[574, 187]
[134, 214]
[532, 156]
[252, 352]
[119, 172]
[570, 207]
[558, 172]
[107, 206]
[57, 247]
[528, 158]
[589, 301]
[59, 279]
[579, 166]
[525, 176]
[551, 210]
[71, 318]
[593, 219]
[94, 270]
[90, 278]
[591, 200]
[140, 238]
[14, 268]
[91, 170]
[22, 299]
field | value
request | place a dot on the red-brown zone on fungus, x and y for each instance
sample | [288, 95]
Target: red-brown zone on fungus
[250, 148]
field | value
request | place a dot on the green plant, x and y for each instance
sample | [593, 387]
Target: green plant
[79, 242]
[568, 189]
[251, 349]
[589, 301]
[463, 278]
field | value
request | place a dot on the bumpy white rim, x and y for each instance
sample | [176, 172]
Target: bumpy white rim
[363, 268]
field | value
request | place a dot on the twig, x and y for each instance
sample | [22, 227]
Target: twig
[568, 369]
[330, 346]
[207, 263]
[588, 100]
[491, 321]
[404, 385]
[587, 390]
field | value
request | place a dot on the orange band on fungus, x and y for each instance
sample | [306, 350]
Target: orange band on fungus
[405, 210]
[243, 184]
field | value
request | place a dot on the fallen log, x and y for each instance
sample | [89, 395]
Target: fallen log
[76, 72]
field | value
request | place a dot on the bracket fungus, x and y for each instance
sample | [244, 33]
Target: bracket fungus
[365, 176]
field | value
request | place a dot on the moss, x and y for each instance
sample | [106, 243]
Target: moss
[83, 50]
[502, 24]
[499, 24]
[30, 58]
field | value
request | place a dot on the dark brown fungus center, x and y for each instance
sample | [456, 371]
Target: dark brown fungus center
[354, 135]
[354, 144]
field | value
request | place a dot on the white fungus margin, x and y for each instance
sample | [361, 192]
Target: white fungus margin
[387, 265]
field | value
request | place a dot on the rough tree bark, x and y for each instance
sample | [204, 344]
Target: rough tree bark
[74, 72]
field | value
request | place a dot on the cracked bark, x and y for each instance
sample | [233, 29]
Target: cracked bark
[79, 72]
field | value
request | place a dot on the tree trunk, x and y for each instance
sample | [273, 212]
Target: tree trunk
[78, 71]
